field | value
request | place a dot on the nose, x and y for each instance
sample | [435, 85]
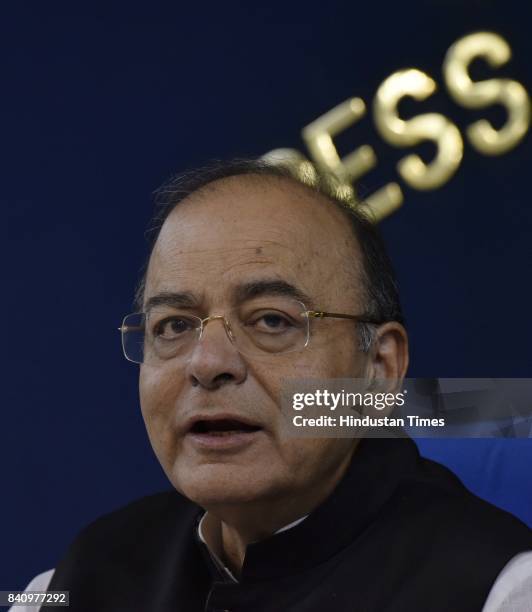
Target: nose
[215, 360]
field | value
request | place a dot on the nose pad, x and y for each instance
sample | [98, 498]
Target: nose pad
[226, 325]
[229, 331]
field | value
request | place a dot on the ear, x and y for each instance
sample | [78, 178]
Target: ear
[388, 355]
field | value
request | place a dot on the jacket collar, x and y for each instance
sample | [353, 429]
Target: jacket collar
[369, 482]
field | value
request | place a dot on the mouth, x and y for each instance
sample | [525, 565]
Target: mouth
[222, 433]
[222, 427]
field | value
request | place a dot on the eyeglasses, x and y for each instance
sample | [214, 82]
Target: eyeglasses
[273, 327]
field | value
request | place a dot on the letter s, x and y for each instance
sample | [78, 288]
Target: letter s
[511, 94]
[430, 126]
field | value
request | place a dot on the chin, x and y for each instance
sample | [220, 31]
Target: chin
[215, 484]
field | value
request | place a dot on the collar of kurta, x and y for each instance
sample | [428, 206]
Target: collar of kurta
[210, 536]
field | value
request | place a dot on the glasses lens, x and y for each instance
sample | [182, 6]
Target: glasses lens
[169, 333]
[274, 326]
[133, 337]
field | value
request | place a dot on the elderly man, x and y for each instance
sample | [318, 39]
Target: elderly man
[243, 256]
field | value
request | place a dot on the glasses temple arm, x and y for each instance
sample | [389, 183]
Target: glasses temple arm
[337, 315]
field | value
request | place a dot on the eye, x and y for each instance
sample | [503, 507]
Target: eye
[271, 322]
[172, 327]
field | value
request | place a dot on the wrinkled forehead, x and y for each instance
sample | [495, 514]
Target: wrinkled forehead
[245, 229]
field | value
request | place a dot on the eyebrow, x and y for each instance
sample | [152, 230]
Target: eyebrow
[246, 291]
[183, 299]
[268, 287]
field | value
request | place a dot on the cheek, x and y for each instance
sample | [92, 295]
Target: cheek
[158, 398]
[158, 388]
[349, 360]
[336, 357]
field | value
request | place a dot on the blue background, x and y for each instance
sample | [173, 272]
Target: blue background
[101, 104]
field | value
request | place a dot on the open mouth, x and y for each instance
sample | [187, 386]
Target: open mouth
[222, 427]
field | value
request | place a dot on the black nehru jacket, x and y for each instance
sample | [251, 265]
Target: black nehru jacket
[399, 533]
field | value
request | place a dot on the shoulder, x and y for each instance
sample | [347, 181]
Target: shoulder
[513, 588]
[38, 583]
[468, 533]
[452, 498]
[153, 513]
[144, 513]
[132, 533]
[448, 500]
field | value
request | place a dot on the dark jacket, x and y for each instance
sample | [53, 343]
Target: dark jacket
[399, 533]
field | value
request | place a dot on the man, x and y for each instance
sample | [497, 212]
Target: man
[243, 253]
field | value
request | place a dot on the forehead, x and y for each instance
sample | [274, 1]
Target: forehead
[244, 229]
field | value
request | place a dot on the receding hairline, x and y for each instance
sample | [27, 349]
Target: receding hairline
[299, 187]
[306, 192]
[353, 267]
[370, 271]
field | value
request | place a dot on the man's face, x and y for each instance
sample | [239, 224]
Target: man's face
[235, 232]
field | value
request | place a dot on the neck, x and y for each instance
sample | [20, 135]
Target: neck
[230, 528]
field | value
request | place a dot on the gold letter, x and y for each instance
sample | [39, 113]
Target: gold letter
[470, 94]
[318, 137]
[431, 126]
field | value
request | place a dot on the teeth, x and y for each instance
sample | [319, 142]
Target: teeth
[229, 426]
[224, 433]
